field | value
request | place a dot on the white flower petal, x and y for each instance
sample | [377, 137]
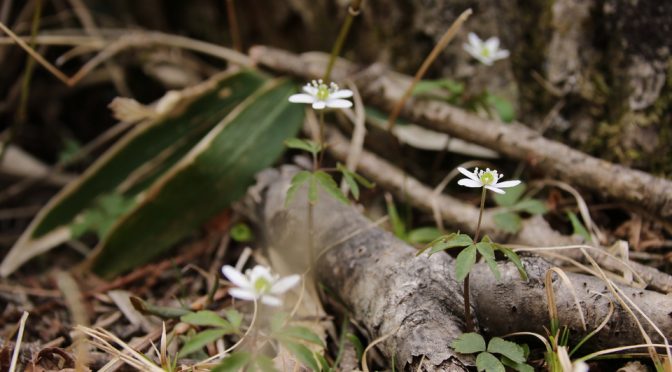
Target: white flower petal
[235, 277]
[469, 183]
[310, 90]
[301, 98]
[507, 184]
[470, 49]
[242, 294]
[483, 60]
[271, 300]
[471, 175]
[260, 271]
[492, 44]
[501, 54]
[342, 93]
[284, 284]
[499, 191]
[475, 40]
[338, 103]
[319, 105]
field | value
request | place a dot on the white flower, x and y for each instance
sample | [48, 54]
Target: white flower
[259, 284]
[487, 52]
[566, 362]
[321, 95]
[485, 178]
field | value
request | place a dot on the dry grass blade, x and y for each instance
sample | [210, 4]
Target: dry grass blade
[599, 328]
[443, 42]
[365, 366]
[357, 141]
[103, 340]
[552, 308]
[17, 344]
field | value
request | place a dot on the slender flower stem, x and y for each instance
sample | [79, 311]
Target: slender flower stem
[467, 305]
[321, 139]
[233, 25]
[353, 11]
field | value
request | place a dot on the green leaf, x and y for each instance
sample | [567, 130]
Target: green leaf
[207, 318]
[509, 349]
[513, 257]
[306, 145]
[488, 253]
[531, 206]
[520, 367]
[423, 235]
[357, 344]
[512, 195]
[578, 227]
[199, 340]
[352, 184]
[264, 363]
[330, 186]
[312, 189]
[508, 222]
[351, 178]
[469, 343]
[426, 86]
[489, 363]
[102, 216]
[299, 333]
[302, 353]
[398, 227]
[504, 108]
[465, 260]
[278, 320]
[217, 172]
[324, 364]
[155, 146]
[234, 317]
[240, 232]
[450, 241]
[295, 184]
[362, 181]
[234, 362]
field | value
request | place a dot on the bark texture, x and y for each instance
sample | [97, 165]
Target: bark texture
[416, 301]
[383, 88]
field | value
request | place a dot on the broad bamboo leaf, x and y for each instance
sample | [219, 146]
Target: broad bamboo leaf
[135, 161]
[215, 173]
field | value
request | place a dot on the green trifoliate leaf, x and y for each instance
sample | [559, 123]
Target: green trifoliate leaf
[465, 261]
[352, 184]
[207, 318]
[423, 235]
[264, 364]
[330, 186]
[235, 318]
[508, 221]
[520, 367]
[489, 363]
[531, 206]
[305, 145]
[512, 195]
[503, 108]
[312, 189]
[450, 241]
[488, 253]
[234, 362]
[302, 353]
[199, 340]
[513, 257]
[295, 184]
[509, 349]
[469, 343]
[299, 333]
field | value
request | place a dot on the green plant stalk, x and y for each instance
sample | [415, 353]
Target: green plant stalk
[467, 305]
[21, 113]
[321, 141]
[353, 11]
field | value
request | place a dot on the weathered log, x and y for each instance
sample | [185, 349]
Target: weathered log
[416, 301]
[534, 231]
[383, 88]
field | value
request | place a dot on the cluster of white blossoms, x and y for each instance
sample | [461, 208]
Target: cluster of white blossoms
[485, 178]
[487, 52]
[321, 95]
[259, 284]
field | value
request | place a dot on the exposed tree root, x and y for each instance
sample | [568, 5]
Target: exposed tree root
[417, 300]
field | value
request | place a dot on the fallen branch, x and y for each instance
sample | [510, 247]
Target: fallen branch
[534, 232]
[383, 88]
[417, 299]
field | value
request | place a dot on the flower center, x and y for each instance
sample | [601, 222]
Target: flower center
[487, 178]
[262, 286]
[485, 52]
[322, 92]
